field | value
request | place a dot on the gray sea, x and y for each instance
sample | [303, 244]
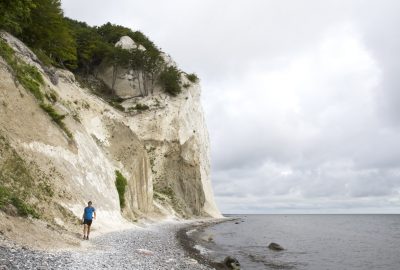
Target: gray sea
[311, 242]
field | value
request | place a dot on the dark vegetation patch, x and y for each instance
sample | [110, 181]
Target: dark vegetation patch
[192, 77]
[120, 184]
[28, 76]
[170, 80]
[56, 117]
[139, 107]
[117, 105]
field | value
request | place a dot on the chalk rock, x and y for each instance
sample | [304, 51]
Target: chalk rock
[127, 43]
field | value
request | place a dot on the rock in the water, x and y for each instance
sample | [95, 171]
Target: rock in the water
[232, 263]
[275, 246]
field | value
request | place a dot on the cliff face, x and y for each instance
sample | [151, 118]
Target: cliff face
[163, 150]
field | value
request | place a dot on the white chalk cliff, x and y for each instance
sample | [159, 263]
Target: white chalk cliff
[163, 151]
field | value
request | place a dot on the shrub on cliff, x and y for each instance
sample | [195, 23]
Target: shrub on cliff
[192, 77]
[27, 75]
[120, 184]
[170, 80]
[23, 209]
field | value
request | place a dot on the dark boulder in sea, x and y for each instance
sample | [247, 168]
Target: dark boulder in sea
[275, 246]
[231, 263]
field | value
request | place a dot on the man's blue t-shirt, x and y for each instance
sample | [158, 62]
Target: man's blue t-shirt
[89, 213]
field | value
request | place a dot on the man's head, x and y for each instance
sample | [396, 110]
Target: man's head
[89, 203]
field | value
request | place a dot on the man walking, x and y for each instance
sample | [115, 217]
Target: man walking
[88, 214]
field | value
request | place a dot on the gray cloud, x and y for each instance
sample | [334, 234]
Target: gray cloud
[301, 97]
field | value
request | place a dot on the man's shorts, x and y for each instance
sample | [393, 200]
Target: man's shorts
[87, 222]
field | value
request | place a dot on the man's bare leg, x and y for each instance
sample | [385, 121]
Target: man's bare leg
[88, 231]
[84, 230]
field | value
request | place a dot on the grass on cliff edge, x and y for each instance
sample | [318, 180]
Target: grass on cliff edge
[28, 76]
[31, 79]
[24, 209]
[120, 184]
[16, 182]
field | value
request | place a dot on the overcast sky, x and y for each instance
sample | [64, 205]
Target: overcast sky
[302, 97]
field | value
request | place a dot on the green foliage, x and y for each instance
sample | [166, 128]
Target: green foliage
[122, 58]
[28, 76]
[64, 42]
[91, 48]
[170, 80]
[117, 106]
[43, 57]
[120, 184]
[8, 197]
[23, 208]
[49, 32]
[111, 33]
[158, 196]
[31, 79]
[56, 117]
[52, 96]
[15, 14]
[167, 191]
[141, 107]
[41, 25]
[47, 189]
[17, 184]
[4, 196]
[192, 77]
[96, 44]
[7, 53]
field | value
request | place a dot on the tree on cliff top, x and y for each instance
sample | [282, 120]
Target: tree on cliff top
[68, 43]
[111, 33]
[15, 14]
[170, 80]
[90, 46]
[48, 31]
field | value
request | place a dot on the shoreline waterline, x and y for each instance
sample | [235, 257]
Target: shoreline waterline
[190, 243]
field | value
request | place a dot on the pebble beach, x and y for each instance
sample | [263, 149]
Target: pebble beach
[154, 247]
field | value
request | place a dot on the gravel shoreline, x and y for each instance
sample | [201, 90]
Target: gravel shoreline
[155, 247]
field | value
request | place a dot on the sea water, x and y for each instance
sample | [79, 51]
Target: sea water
[311, 242]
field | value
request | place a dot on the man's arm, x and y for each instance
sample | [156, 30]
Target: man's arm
[94, 214]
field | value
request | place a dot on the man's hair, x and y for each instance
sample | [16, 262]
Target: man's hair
[89, 202]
